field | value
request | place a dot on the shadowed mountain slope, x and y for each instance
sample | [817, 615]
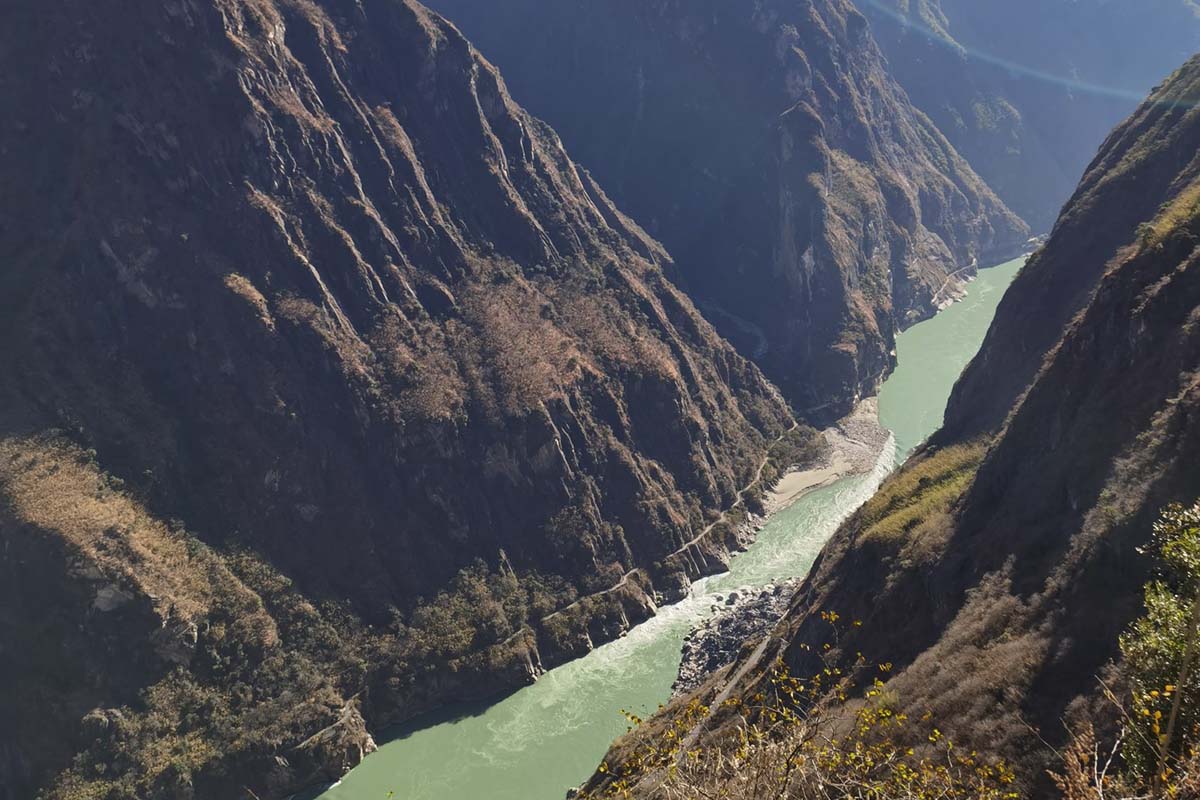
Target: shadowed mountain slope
[997, 568]
[813, 211]
[325, 375]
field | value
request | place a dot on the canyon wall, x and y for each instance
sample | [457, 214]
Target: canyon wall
[995, 571]
[325, 377]
[813, 211]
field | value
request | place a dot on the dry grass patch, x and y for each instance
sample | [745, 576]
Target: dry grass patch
[247, 291]
[527, 355]
[922, 490]
[57, 487]
[1173, 215]
[613, 337]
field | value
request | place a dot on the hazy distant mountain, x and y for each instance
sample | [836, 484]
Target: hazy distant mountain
[1026, 90]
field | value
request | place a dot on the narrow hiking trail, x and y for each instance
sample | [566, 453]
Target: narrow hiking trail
[695, 540]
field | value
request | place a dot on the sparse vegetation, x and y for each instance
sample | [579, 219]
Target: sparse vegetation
[1155, 753]
[803, 739]
[61, 489]
[266, 666]
[241, 701]
[1180, 211]
[925, 488]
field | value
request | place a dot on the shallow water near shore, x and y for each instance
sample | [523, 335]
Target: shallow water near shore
[538, 742]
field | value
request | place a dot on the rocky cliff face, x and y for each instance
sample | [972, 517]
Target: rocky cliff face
[1143, 164]
[327, 375]
[1027, 90]
[812, 209]
[997, 568]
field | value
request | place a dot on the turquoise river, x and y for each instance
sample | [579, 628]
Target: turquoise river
[545, 738]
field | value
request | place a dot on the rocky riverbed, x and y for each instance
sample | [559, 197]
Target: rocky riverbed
[745, 614]
[741, 616]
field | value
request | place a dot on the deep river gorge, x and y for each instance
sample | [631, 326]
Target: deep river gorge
[538, 742]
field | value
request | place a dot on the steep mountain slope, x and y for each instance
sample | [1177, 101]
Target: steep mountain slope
[1143, 164]
[326, 375]
[996, 569]
[812, 209]
[1027, 90]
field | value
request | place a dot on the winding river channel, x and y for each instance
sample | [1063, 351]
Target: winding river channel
[545, 738]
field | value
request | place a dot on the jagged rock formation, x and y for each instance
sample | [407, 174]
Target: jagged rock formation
[325, 375]
[997, 569]
[1027, 90]
[813, 211]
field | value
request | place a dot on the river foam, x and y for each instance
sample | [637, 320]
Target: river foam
[545, 738]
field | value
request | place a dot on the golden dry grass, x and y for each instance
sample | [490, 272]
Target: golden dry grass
[613, 338]
[243, 288]
[1175, 214]
[421, 368]
[922, 490]
[58, 488]
[527, 352]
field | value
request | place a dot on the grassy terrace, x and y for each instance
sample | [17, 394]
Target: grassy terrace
[924, 489]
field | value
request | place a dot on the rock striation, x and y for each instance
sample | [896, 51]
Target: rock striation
[326, 377]
[813, 211]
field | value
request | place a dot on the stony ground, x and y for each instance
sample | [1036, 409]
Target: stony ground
[741, 616]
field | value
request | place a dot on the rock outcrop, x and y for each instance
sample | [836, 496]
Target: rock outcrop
[996, 570]
[325, 377]
[747, 615]
[813, 211]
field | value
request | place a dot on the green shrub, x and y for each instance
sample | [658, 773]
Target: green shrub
[1160, 649]
[1156, 754]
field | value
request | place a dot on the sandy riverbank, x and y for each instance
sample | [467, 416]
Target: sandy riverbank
[855, 444]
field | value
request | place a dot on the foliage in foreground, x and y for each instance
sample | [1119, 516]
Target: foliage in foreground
[807, 740]
[1155, 754]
